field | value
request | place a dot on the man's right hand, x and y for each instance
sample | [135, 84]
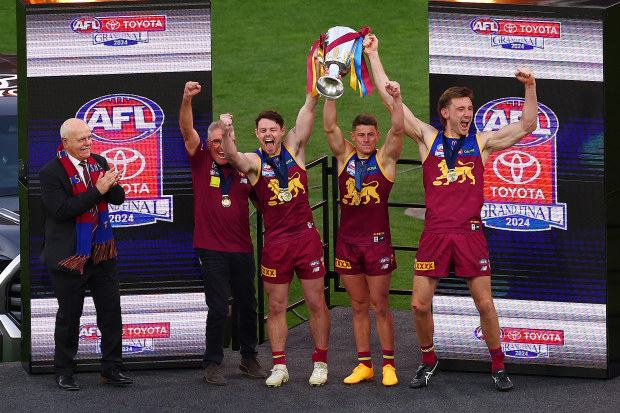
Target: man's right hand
[191, 89]
[107, 180]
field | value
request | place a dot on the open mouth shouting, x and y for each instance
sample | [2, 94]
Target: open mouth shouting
[465, 126]
[270, 145]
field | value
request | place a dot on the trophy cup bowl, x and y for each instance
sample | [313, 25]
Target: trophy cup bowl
[338, 61]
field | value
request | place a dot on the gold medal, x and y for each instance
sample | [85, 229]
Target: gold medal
[452, 175]
[226, 201]
[285, 195]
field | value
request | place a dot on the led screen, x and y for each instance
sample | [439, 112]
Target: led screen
[123, 72]
[544, 197]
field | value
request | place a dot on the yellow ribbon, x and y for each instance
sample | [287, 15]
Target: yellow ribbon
[354, 81]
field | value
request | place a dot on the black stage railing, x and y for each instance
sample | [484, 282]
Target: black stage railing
[321, 162]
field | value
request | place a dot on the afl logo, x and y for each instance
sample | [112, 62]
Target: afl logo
[480, 336]
[121, 118]
[498, 113]
[484, 26]
[86, 25]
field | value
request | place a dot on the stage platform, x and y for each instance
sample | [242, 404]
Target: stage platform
[175, 390]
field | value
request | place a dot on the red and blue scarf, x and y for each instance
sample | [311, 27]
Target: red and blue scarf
[100, 244]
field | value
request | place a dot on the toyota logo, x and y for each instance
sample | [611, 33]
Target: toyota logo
[516, 167]
[510, 28]
[514, 335]
[129, 162]
[112, 25]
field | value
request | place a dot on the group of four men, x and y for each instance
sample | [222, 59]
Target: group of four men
[274, 178]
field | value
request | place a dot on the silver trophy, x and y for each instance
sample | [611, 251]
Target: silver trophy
[338, 61]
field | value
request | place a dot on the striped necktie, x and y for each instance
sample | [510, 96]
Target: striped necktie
[89, 184]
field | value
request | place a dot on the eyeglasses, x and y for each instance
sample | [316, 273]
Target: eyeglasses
[216, 142]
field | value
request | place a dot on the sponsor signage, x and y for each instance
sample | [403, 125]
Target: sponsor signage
[545, 196]
[123, 66]
[127, 131]
[130, 331]
[516, 34]
[137, 338]
[119, 30]
[520, 183]
[532, 336]
[526, 343]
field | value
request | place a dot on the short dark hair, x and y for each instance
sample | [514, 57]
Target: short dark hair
[364, 119]
[454, 92]
[271, 115]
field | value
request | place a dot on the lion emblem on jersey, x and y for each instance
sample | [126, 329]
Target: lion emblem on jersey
[368, 191]
[463, 171]
[294, 186]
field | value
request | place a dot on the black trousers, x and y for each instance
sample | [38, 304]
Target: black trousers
[70, 289]
[227, 274]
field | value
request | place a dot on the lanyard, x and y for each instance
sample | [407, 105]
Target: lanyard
[449, 152]
[226, 182]
[361, 167]
[278, 164]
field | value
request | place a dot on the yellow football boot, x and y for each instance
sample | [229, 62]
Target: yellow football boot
[389, 375]
[360, 373]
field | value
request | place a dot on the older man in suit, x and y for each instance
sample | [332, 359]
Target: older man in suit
[79, 250]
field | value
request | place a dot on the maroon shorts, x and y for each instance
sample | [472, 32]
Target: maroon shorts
[376, 259]
[302, 255]
[466, 253]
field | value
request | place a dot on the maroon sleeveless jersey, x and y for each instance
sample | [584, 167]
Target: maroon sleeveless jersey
[283, 220]
[453, 206]
[364, 218]
[216, 227]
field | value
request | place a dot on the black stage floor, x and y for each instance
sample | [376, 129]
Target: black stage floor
[172, 390]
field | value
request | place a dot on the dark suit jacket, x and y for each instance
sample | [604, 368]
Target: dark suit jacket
[63, 208]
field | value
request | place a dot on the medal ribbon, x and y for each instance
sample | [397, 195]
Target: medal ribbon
[451, 153]
[361, 168]
[225, 186]
[279, 167]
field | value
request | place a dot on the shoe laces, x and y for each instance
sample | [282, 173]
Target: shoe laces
[320, 365]
[279, 367]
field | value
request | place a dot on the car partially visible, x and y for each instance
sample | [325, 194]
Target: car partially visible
[10, 285]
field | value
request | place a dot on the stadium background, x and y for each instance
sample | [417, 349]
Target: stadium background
[259, 55]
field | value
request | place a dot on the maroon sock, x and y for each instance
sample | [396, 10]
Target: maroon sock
[364, 358]
[388, 358]
[428, 354]
[497, 359]
[319, 355]
[279, 357]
